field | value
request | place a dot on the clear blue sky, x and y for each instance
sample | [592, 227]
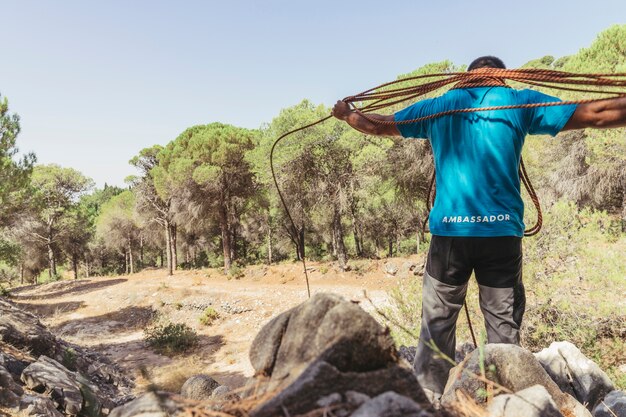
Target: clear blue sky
[96, 81]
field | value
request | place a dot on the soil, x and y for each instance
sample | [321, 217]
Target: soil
[109, 314]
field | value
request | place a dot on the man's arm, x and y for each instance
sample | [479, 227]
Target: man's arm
[600, 115]
[343, 112]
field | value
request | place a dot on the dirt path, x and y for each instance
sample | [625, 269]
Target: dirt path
[109, 314]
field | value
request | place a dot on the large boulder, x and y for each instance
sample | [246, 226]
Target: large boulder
[10, 391]
[530, 402]
[199, 387]
[23, 330]
[38, 406]
[510, 366]
[574, 373]
[322, 346]
[49, 376]
[614, 404]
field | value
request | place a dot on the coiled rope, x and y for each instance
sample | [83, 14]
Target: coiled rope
[386, 95]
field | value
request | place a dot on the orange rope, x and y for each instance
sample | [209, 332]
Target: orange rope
[387, 94]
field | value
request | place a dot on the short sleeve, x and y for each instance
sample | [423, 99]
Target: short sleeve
[548, 120]
[419, 130]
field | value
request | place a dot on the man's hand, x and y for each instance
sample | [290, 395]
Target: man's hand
[341, 110]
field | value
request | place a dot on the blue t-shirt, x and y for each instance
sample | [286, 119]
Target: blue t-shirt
[477, 156]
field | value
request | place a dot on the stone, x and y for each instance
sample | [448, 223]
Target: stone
[329, 400]
[224, 393]
[390, 268]
[38, 406]
[574, 373]
[24, 331]
[613, 404]
[355, 399]
[406, 268]
[321, 379]
[199, 387]
[530, 402]
[151, 404]
[326, 327]
[462, 351]
[390, 404]
[323, 346]
[408, 353]
[47, 375]
[10, 391]
[508, 365]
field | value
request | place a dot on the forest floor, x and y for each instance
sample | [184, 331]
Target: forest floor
[109, 314]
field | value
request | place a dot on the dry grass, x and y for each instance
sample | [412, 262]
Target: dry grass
[170, 377]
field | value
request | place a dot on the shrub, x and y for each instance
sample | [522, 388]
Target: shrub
[209, 316]
[236, 272]
[170, 338]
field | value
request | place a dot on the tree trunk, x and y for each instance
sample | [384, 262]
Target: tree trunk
[52, 267]
[75, 265]
[225, 237]
[87, 266]
[140, 252]
[130, 257]
[126, 270]
[173, 236]
[355, 230]
[21, 273]
[269, 243]
[342, 255]
[390, 252]
[168, 249]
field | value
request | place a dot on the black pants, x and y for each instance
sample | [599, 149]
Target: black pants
[497, 264]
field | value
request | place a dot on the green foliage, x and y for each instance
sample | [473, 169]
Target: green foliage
[209, 315]
[14, 174]
[170, 338]
[236, 272]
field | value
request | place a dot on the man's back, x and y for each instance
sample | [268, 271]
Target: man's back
[477, 156]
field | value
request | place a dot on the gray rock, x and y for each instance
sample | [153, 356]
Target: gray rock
[462, 351]
[38, 406]
[326, 328]
[390, 404]
[321, 379]
[511, 366]
[614, 404]
[152, 404]
[406, 268]
[24, 331]
[10, 391]
[355, 399]
[530, 402]
[408, 353]
[50, 376]
[574, 373]
[323, 346]
[199, 387]
[390, 268]
[331, 399]
[224, 393]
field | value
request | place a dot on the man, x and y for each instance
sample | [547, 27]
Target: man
[477, 219]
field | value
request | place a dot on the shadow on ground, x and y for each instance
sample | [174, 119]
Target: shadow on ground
[123, 320]
[62, 288]
[47, 310]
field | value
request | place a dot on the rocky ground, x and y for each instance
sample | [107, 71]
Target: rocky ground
[324, 357]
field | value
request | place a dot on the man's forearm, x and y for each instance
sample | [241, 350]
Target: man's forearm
[363, 125]
[613, 113]
[603, 114]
